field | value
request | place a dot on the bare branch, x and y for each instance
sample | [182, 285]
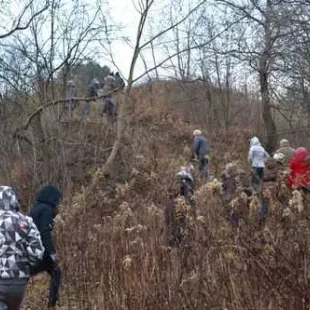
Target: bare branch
[18, 26]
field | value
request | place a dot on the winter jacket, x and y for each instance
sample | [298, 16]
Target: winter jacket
[93, 90]
[20, 240]
[300, 169]
[201, 146]
[43, 214]
[288, 153]
[109, 107]
[257, 154]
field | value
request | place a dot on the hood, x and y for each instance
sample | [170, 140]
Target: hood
[300, 155]
[284, 143]
[8, 199]
[49, 195]
[254, 141]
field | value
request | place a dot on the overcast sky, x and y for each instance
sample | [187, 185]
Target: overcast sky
[125, 13]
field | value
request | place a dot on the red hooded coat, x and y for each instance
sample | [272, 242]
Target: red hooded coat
[300, 169]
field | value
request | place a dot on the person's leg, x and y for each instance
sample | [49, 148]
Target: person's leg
[203, 168]
[15, 298]
[3, 305]
[12, 294]
[55, 275]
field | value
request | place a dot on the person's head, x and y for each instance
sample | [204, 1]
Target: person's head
[71, 83]
[284, 143]
[96, 82]
[197, 132]
[254, 141]
[8, 199]
[49, 195]
[300, 154]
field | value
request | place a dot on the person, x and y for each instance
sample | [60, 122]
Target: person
[93, 91]
[93, 88]
[71, 93]
[118, 81]
[300, 170]
[43, 214]
[21, 246]
[286, 150]
[257, 157]
[229, 182]
[187, 187]
[109, 107]
[108, 85]
[201, 150]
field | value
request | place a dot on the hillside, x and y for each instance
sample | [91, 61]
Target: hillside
[112, 241]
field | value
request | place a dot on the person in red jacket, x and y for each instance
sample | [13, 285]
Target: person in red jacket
[300, 170]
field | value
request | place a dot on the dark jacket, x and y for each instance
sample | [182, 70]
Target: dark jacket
[43, 214]
[201, 146]
[93, 91]
[109, 107]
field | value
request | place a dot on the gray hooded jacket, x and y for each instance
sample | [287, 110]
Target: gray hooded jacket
[257, 154]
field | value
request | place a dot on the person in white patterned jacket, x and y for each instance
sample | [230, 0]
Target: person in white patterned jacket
[20, 247]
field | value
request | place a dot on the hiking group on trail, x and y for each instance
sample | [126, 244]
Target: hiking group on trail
[95, 89]
[27, 247]
[265, 174]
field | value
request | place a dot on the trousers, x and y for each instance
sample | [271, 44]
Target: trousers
[12, 292]
[47, 265]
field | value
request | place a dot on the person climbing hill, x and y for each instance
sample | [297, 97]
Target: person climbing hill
[287, 151]
[257, 157]
[300, 170]
[43, 214]
[21, 246]
[201, 149]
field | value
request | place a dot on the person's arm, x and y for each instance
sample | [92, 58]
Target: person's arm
[266, 155]
[46, 225]
[34, 244]
[250, 155]
[196, 146]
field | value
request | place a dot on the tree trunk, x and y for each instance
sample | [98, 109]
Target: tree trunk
[270, 126]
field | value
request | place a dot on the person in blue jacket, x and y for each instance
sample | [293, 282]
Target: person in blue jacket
[201, 149]
[43, 214]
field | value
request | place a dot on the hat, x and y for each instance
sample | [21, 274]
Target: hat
[197, 132]
[284, 143]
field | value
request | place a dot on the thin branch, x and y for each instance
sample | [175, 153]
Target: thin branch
[18, 27]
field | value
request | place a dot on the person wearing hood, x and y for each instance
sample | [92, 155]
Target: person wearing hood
[300, 170]
[287, 151]
[257, 157]
[43, 214]
[187, 186]
[201, 149]
[21, 247]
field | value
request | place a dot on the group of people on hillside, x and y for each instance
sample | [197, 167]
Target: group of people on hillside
[26, 245]
[95, 89]
[265, 167]
[266, 171]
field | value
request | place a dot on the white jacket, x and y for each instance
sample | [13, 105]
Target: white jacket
[257, 154]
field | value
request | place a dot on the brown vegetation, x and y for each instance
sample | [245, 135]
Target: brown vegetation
[112, 240]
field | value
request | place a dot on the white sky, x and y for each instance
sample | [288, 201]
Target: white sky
[123, 12]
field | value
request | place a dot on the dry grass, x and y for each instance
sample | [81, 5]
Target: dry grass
[112, 242]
